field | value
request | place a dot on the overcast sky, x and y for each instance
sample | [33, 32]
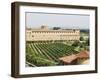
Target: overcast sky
[36, 20]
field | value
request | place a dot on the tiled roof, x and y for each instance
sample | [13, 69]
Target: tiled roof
[70, 58]
[83, 54]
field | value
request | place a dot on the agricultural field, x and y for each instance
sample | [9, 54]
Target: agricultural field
[47, 54]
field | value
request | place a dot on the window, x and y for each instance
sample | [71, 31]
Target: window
[32, 35]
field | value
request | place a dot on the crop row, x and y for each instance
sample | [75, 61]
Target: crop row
[46, 54]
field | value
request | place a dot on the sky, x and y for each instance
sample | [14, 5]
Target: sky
[65, 21]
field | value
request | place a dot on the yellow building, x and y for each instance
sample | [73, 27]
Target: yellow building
[45, 34]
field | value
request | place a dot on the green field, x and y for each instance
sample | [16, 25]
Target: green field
[47, 54]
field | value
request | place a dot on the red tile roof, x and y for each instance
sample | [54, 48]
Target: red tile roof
[83, 54]
[70, 58]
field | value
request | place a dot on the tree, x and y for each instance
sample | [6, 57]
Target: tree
[75, 44]
[81, 39]
[56, 28]
[87, 42]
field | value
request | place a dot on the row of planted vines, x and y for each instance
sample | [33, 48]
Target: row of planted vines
[47, 54]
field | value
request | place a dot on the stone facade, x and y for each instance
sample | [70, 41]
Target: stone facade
[45, 34]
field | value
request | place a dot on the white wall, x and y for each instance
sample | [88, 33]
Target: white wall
[5, 40]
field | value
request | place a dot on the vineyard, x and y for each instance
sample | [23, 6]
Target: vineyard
[47, 54]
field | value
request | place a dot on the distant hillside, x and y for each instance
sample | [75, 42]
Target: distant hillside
[84, 30]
